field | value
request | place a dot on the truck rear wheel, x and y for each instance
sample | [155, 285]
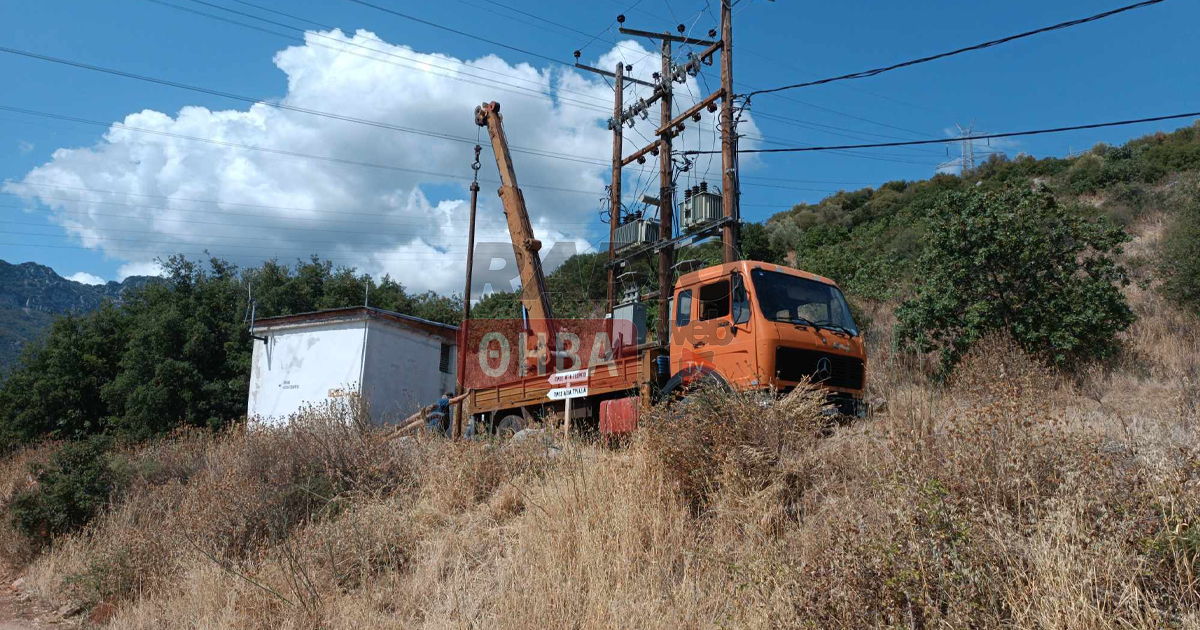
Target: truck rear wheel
[511, 425]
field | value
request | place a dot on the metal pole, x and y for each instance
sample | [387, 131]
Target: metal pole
[666, 200]
[614, 214]
[729, 186]
[465, 327]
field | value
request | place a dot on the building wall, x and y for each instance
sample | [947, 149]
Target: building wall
[402, 371]
[305, 364]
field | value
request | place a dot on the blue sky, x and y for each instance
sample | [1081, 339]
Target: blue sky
[1137, 64]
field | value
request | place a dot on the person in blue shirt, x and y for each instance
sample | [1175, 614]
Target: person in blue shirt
[438, 420]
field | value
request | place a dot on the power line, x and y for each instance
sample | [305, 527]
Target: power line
[541, 56]
[42, 197]
[334, 246]
[458, 32]
[283, 152]
[528, 92]
[323, 158]
[282, 106]
[493, 83]
[988, 44]
[1011, 134]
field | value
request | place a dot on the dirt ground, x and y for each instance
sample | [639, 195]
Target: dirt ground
[20, 613]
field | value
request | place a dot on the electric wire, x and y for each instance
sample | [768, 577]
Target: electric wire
[959, 51]
[1010, 134]
[493, 83]
[281, 106]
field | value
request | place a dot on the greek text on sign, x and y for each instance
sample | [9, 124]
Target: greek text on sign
[562, 378]
[564, 393]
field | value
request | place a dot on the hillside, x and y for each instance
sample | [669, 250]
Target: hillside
[31, 295]
[1023, 481]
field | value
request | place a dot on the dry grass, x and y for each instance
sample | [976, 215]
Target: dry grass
[1010, 497]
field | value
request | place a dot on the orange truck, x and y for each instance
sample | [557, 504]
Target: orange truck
[744, 326]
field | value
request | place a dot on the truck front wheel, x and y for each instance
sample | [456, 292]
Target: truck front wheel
[683, 382]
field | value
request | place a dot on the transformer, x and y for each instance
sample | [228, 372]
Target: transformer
[699, 207]
[636, 232]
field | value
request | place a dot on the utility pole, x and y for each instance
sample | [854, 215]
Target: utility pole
[666, 200]
[671, 126]
[614, 212]
[729, 182]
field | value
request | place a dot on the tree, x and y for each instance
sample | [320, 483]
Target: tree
[1016, 260]
[175, 352]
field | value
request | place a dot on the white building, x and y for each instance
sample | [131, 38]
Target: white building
[398, 363]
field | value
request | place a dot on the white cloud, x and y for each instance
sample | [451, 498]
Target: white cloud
[24, 147]
[381, 221]
[147, 268]
[85, 278]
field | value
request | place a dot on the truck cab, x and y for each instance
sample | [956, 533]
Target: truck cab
[757, 326]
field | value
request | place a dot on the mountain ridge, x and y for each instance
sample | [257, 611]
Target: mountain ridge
[32, 295]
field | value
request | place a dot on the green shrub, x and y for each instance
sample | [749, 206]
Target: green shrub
[1179, 264]
[72, 489]
[1017, 261]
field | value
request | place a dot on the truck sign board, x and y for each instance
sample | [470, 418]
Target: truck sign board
[567, 393]
[564, 378]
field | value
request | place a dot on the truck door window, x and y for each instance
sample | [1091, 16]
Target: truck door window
[741, 301]
[714, 300]
[683, 312]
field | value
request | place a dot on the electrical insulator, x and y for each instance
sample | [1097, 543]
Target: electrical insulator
[712, 107]
[696, 117]
[712, 33]
[611, 124]
[680, 127]
[641, 159]
[621, 19]
[654, 151]
[577, 53]
[628, 68]
[681, 28]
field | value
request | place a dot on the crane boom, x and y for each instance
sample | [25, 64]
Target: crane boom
[525, 247]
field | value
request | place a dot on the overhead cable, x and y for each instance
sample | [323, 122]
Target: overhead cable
[1010, 134]
[988, 44]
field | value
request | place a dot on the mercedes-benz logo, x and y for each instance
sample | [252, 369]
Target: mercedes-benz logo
[823, 369]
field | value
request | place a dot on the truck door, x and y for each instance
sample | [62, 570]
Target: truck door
[723, 331]
[682, 310]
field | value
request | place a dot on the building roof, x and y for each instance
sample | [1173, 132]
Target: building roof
[356, 313]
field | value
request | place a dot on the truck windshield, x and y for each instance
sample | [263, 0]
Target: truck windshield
[788, 298]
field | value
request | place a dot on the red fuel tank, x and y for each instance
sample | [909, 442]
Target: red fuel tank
[619, 416]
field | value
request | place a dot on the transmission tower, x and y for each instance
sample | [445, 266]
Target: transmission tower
[968, 147]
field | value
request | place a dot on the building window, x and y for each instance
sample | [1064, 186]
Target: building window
[444, 364]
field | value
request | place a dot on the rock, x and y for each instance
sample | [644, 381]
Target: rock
[102, 613]
[18, 585]
[69, 610]
[527, 434]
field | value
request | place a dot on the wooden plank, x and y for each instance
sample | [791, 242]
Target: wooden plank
[679, 39]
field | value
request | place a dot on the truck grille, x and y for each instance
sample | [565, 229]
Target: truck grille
[793, 364]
